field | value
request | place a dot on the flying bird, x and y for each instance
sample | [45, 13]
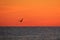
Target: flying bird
[21, 20]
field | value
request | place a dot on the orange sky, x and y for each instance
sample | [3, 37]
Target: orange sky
[34, 12]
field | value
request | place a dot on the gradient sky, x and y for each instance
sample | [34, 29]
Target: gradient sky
[34, 12]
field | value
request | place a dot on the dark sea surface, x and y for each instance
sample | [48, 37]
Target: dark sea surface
[29, 33]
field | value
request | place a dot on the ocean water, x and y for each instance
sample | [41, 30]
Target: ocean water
[30, 33]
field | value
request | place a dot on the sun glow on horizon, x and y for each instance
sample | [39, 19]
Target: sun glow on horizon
[34, 12]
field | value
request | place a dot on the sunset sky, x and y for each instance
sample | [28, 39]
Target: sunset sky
[34, 12]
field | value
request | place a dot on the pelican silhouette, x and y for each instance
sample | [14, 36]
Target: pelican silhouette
[21, 20]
